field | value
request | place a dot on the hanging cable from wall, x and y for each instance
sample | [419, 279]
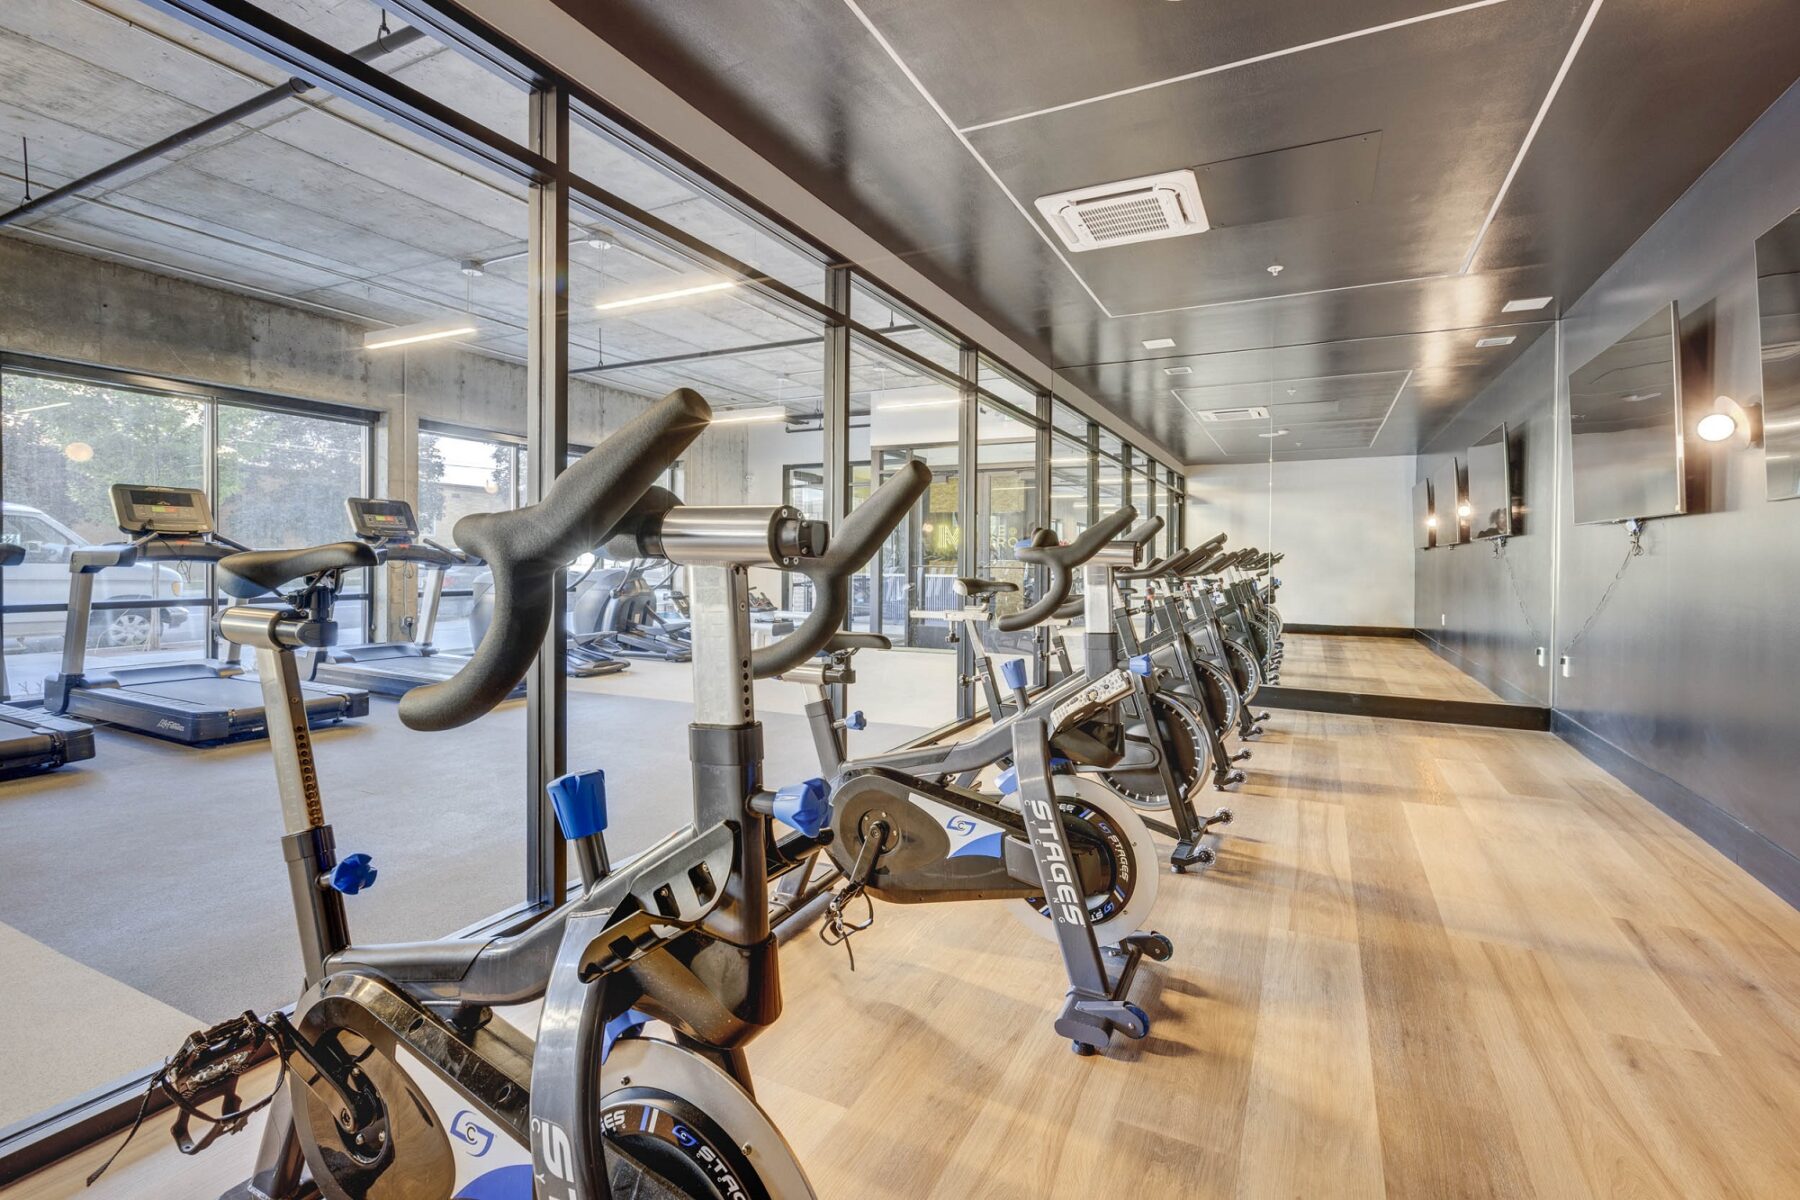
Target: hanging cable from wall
[1518, 595]
[1634, 550]
[25, 150]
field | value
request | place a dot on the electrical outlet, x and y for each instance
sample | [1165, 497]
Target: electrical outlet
[1565, 666]
[1540, 652]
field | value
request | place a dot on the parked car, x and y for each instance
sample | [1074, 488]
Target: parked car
[43, 578]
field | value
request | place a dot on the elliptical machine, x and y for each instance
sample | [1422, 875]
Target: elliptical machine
[619, 604]
[680, 934]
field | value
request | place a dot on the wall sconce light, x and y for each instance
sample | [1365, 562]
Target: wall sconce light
[1730, 422]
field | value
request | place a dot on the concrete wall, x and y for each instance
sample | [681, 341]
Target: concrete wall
[102, 313]
[1343, 524]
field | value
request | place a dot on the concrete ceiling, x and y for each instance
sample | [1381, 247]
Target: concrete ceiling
[1409, 165]
[314, 202]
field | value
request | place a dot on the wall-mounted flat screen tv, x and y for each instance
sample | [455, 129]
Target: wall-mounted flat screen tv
[1447, 503]
[1421, 508]
[1490, 487]
[1778, 297]
[1625, 427]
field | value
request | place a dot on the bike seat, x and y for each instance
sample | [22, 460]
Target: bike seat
[968, 585]
[846, 640]
[251, 573]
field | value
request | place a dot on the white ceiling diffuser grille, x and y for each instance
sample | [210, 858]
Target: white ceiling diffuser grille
[1133, 210]
[1218, 416]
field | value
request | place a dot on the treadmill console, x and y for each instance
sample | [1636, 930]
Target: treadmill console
[382, 520]
[143, 508]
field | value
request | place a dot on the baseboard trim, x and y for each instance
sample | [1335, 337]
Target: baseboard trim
[1506, 689]
[1771, 865]
[1393, 631]
[1406, 708]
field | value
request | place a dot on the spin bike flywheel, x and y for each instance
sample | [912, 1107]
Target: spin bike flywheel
[1221, 695]
[1246, 672]
[682, 1117]
[403, 1156]
[1190, 751]
[1107, 831]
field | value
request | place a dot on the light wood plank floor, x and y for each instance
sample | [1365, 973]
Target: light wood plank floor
[1380, 666]
[1432, 961]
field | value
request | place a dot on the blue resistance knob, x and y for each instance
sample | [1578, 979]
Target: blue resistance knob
[1140, 664]
[1013, 671]
[856, 720]
[351, 875]
[580, 802]
[1008, 783]
[805, 806]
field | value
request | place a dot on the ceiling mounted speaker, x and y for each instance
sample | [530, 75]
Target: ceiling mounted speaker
[1133, 210]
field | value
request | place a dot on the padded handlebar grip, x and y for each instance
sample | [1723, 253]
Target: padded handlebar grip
[1062, 561]
[1143, 533]
[852, 545]
[525, 549]
[252, 573]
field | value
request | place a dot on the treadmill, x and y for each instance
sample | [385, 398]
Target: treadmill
[195, 703]
[395, 668]
[33, 741]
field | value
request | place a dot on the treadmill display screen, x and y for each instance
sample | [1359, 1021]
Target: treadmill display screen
[161, 501]
[171, 510]
[382, 519]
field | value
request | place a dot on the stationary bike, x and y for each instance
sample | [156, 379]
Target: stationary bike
[392, 1069]
[910, 827]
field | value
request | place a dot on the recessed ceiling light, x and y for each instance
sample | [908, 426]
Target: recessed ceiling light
[1160, 344]
[1178, 370]
[1531, 304]
[428, 331]
[1277, 433]
[1484, 343]
[743, 416]
[676, 294]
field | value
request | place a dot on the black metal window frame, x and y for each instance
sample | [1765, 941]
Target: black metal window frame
[543, 165]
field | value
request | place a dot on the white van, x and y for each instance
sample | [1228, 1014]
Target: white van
[43, 578]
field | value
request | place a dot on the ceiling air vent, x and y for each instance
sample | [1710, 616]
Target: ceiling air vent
[1134, 210]
[1217, 416]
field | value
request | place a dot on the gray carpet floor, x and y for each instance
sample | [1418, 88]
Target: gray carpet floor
[160, 865]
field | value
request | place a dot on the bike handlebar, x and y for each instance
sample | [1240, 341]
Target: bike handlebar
[1061, 562]
[852, 544]
[526, 547]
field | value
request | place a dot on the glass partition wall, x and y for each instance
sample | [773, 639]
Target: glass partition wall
[487, 273]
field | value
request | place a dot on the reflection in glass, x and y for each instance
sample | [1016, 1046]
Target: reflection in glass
[1006, 497]
[1778, 299]
[1625, 427]
[63, 443]
[897, 412]
[1491, 491]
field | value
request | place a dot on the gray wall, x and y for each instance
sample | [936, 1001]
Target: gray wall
[1485, 607]
[1685, 685]
[1341, 522]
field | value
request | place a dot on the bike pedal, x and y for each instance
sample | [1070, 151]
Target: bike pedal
[1241, 756]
